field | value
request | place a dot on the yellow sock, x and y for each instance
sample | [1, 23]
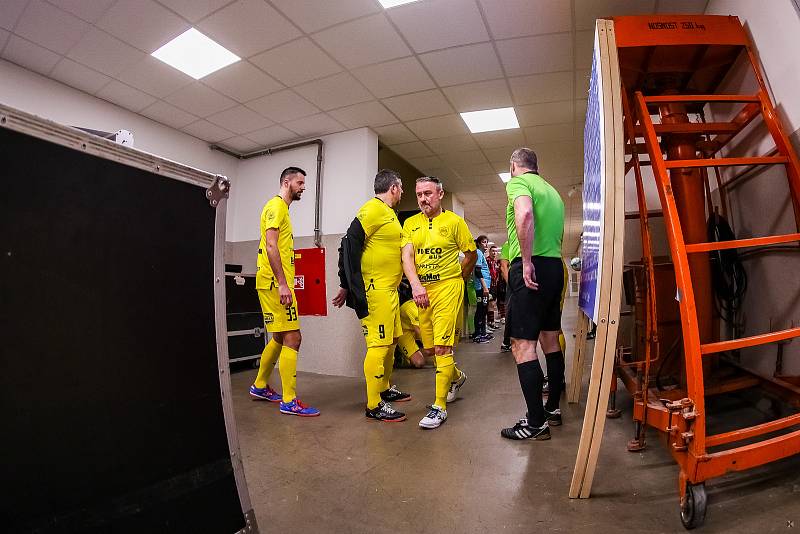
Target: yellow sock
[445, 369]
[456, 370]
[388, 366]
[407, 344]
[268, 358]
[562, 341]
[373, 373]
[288, 370]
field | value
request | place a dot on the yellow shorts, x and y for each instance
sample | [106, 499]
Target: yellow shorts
[440, 322]
[277, 317]
[382, 325]
[409, 316]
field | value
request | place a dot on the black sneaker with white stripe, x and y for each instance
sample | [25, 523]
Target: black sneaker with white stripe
[385, 412]
[522, 430]
[553, 418]
[395, 395]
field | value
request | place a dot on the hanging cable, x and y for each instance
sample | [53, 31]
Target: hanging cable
[727, 272]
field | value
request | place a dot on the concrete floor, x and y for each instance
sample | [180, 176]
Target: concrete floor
[342, 473]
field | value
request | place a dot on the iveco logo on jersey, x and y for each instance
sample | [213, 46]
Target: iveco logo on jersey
[432, 250]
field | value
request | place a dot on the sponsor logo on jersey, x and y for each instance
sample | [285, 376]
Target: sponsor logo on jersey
[269, 318]
[429, 277]
[365, 330]
[430, 250]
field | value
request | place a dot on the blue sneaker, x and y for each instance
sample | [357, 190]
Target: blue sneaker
[296, 407]
[267, 394]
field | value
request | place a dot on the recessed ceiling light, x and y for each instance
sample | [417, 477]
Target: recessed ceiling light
[489, 120]
[505, 176]
[394, 3]
[195, 54]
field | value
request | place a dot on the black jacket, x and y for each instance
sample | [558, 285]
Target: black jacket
[350, 278]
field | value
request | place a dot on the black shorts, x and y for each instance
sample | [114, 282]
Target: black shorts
[530, 312]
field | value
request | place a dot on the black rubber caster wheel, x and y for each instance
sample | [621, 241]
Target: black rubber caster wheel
[693, 507]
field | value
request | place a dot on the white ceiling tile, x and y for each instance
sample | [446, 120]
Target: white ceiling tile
[681, 7]
[436, 24]
[335, 91]
[240, 120]
[50, 27]
[314, 15]
[458, 143]
[463, 64]
[426, 162]
[548, 87]
[207, 132]
[501, 154]
[395, 134]
[297, 62]
[3, 38]
[551, 132]
[418, 105]
[104, 53]
[517, 18]
[396, 77]
[88, 11]
[78, 76]
[168, 114]
[199, 100]
[551, 113]
[460, 160]
[155, 77]
[531, 55]
[30, 55]
[433, 127]
[319, 124]
[467, 169]
[10, 13]
[411, 150]
[125, 96]
[372, 114]
[500, 139]
[363, 41]
[242, 82]
[272, 136]
[584, 46]
[582, 83]
[587, 11]
[481, 95]
[283, 106]
[240, 144]
[194, 10]
[143, 23]
[248, 27]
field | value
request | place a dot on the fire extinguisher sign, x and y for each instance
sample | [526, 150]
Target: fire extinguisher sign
[300, 282]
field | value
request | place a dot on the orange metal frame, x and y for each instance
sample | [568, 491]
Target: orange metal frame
[684, 419]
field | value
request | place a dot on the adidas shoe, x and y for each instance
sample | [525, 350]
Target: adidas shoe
[455, 386]
[505, 347]
[435, 418]
[296, 407]
[267, 394]
[385, 412]
[522, 430]
[553, 418]
[395, 395]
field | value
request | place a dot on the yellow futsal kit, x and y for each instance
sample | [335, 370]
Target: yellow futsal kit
[277, 317]
[381, 269]
[437, 243]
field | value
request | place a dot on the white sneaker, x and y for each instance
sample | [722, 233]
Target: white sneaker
[455, 386]
[435, 417]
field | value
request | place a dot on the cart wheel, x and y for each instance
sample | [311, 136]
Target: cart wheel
[693, 507]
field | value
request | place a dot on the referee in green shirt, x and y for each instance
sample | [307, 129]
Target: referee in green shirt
[535, 221]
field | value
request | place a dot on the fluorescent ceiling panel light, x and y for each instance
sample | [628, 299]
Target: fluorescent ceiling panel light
[490, 120]
[505, 176]
[394, 3]
[195, 54]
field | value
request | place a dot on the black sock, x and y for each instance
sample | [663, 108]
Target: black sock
[531, 379]
[555, 379]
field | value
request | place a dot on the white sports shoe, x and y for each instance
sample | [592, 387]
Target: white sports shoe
[455, 386]
[435, 417]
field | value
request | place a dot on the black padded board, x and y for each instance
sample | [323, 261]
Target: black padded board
[109, 392]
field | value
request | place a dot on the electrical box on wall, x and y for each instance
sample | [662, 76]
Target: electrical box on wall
[309, 281]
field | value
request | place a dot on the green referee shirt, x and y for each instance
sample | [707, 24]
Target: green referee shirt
[548, 215]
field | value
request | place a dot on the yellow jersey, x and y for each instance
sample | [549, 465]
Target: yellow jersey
[381, 266]
[437, 243]
[275, 215]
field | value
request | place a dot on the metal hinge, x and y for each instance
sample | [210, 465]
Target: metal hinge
[218, 190]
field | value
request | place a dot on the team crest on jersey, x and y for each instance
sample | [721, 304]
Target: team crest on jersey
[444, 231]
[270, 215]
[269, 318]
